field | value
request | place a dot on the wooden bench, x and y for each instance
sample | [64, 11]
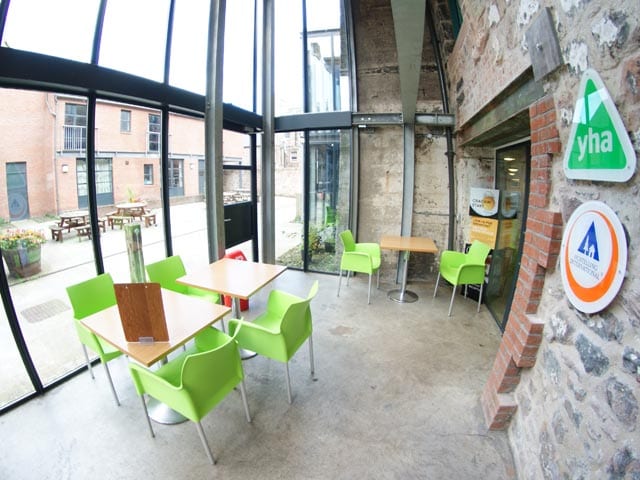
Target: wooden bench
[149, 219]
[83, 231]
[56, 232]
[117, 220]
[102, 224]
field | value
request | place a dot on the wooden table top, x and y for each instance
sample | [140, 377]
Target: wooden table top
[186, 316]
[75, 214]
[236, 278]
[411, 244]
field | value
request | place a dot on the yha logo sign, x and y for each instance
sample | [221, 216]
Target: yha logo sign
[599, 147]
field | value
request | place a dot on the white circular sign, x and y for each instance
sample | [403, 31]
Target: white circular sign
[593, 257]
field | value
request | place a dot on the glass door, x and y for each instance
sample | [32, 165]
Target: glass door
[512, 179]
[312, 197]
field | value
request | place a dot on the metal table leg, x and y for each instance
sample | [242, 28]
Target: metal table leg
[235, 313]
[403, 295]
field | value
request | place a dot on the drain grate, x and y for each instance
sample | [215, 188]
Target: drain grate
[45, 310]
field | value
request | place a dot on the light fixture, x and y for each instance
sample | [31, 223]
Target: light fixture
[65, 168]
[512, 173]
[509, 159]
[514, 170]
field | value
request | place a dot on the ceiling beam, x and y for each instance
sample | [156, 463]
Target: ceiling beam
[408, 21]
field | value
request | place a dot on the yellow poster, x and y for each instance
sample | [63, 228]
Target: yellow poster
[485, 230]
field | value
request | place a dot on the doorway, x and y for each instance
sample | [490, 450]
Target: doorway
[512, 180]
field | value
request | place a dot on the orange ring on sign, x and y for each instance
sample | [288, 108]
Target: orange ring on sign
[592, 294]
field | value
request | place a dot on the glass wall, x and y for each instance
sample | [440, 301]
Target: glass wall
[323, 211]
[43, 219]
[52, 28]
[186, 190]
[128, 184]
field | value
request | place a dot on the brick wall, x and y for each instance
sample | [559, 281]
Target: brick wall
[523, 333]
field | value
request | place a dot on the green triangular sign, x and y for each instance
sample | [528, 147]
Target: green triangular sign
[599, 147]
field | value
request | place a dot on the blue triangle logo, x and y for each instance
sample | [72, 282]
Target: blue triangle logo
[589, 244]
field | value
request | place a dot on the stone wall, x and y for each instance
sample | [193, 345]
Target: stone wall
[381, 148]
[565, 384]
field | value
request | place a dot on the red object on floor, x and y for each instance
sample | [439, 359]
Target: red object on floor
[244, 304]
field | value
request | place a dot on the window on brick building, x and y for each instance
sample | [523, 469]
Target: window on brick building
[125, 121]
[153, 133]
[75, 127]
[148, 174]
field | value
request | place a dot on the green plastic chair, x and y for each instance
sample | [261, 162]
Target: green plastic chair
[279, 332]
[464, 269]
[167, 271]
[195, 382]
[359, 257]
[87, 298]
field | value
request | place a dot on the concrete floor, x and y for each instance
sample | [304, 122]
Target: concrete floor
[396, 395]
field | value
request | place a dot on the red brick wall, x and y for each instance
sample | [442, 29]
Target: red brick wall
[523, 333]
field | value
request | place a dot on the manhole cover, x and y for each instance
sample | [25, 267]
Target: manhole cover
[45, 310]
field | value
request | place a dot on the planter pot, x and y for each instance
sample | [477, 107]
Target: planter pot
[22, 262]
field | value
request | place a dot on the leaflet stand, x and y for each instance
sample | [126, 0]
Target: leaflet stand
[141, 312]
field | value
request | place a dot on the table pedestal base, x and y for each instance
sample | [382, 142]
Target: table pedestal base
[402, 296]
[161, 413]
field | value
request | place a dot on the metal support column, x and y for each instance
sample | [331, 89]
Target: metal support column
[408, 188]
[267, 204]
[213, 132]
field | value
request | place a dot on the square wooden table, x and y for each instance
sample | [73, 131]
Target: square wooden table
[185, 316]
[406, 245]
[239, 279]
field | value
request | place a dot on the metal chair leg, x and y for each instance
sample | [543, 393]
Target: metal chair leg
[339, 282]
[453, 294]
[480, 296]
[113, 389]
[205, 443]
[435, 290]
[348, 276]
[378, 280]
[369, 294]
[313, 369]
[86, 357]
[286, 365]
[243, 394]
[146, 415]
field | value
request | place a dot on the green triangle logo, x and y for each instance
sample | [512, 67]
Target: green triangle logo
[599, 147]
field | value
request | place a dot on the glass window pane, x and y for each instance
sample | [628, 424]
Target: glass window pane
[327, 68]
[288, 72]
[189, 45]
[238, 54]
[134, 37]
[186, 190]
[123, 196]
[40, 188]
[63, 28]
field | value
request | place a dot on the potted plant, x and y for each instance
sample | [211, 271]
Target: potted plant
[21, 251]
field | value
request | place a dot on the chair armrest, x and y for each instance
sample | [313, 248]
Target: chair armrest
[372, 249]
[279, 301]
[357, 262]
[255, 337]
[452, 258]
[148, 382]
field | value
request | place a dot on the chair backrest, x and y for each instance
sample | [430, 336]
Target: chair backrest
[478, 252]
[220, 366]
[296, 324]
[348, 241]
[165, 272]
[91, 296]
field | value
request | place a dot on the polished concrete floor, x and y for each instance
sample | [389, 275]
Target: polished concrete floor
[396, 395]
